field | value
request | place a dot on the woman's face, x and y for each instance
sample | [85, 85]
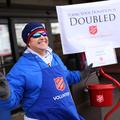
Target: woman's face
[39, 41]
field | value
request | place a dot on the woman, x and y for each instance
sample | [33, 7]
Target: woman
[40, 81]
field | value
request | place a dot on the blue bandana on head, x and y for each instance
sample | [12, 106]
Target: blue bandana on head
[29, 30]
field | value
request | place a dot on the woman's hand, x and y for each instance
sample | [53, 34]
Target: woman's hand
[86, 72]
[4, 88]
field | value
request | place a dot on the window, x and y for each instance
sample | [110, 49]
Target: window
[5, 50]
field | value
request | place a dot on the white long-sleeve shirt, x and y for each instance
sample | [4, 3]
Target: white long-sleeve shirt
[47, 58]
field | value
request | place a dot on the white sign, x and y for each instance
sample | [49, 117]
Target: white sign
[89, 23]
[101, 55]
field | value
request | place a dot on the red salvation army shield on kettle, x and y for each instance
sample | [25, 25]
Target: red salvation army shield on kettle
[59, 83]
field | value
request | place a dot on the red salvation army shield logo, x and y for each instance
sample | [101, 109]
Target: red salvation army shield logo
[59, 83]
[93, 29]
[100, 98]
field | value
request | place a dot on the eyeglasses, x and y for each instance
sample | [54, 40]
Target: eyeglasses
[37, 35]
